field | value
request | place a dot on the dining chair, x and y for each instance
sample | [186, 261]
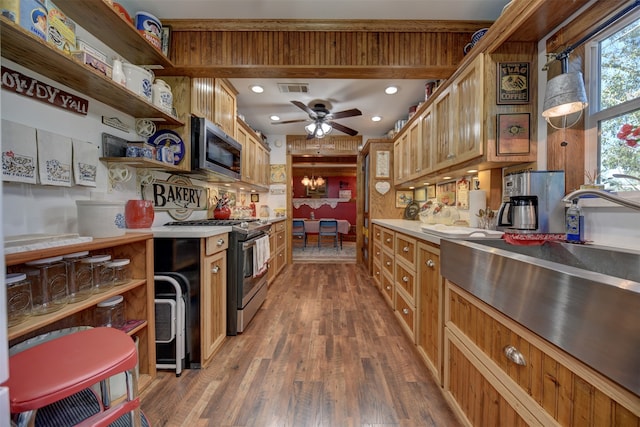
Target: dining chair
[298, 231]
[329, 227]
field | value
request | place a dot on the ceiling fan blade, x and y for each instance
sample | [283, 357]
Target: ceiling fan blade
[343, 128]
[346, 113]
[304, 108]
[289, 121]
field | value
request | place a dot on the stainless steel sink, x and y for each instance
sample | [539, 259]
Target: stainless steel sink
[581, 298]
[608, 261]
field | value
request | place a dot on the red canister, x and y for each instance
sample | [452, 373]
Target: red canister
[139, 213]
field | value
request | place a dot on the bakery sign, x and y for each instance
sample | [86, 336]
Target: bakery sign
[33, 88]
[177, 195]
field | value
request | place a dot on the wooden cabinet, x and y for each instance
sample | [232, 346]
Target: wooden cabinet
[499, 373]
[225, 107]
[255, 157]
[278, 247]
[100, 19]
[213, 304]
[405, 282]
[459, 118]
[215, 100]
[138, 295]
[429, 307]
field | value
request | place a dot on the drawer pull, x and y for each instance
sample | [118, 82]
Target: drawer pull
[377, 273]
[405, 311]
[430, 263]
[220, 242]
[388, 287]
[377, 234]
[405, 279]
[405, 249]
[377, 253]
[388, 240]
[215, 269]
[514, 355]
[388, 263]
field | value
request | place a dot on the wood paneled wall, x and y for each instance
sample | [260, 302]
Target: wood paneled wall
[319, 49]
[570, 156]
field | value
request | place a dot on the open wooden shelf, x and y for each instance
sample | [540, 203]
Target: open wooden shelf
[141, 162]
[26, 49]
[101, 20]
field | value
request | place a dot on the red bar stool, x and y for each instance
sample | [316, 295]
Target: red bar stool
[54, 377]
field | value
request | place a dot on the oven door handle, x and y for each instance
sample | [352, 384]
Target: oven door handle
[249, 243]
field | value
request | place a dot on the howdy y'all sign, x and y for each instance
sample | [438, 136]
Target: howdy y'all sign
[33, 88]
[173, 195]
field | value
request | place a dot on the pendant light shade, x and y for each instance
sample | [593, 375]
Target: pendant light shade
[565, 95]
[318, 129]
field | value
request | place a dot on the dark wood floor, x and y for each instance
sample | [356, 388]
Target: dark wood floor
[324, 350]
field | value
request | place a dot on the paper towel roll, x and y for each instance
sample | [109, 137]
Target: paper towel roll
[477, 201]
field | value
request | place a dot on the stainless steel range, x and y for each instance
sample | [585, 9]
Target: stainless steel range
[246, 291]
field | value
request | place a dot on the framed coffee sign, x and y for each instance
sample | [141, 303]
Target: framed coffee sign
[513, 83]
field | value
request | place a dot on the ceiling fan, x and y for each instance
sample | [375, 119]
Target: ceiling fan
[322, 119]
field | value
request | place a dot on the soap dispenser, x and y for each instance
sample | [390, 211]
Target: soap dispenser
[575, 223]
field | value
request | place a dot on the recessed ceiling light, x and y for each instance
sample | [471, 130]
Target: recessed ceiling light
[447, 177]
[412, 188]
[275, 118]
[391, 90]
[472, 170]
[376, 118]
[257, 89]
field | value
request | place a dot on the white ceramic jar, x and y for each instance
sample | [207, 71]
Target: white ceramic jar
[162, 96]
[138, 80]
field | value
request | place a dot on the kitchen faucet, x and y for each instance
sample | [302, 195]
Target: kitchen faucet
[602, 194]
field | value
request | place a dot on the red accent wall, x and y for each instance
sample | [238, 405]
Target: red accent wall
[341, 211]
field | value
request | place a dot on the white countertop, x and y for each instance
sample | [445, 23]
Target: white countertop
[181, 231]
[437, 232]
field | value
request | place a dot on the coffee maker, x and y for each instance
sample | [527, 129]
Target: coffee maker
[532, 202]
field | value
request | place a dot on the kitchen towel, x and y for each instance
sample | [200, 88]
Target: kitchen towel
[477, 201]
[19, 153]
[85, 163]
[261, 254]
[54, 158]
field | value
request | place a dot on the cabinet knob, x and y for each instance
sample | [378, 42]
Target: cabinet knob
[388, 263]
[514, 355]
[220, 242]
[405, 249]
[388, 287]
[430, 263]
[405, 311]
[377, 273]
[377, 234]
[405, 279]
[388, 240]
[377, 253]
[215, 269]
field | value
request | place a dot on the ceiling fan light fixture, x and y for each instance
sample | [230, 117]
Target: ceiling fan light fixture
[318, 129]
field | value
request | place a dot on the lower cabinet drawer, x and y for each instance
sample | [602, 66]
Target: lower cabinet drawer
[472, 395]
[386, 286]
[406, 312]
[387, 262]
[377, 273]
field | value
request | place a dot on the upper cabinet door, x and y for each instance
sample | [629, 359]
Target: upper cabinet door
[468, 113]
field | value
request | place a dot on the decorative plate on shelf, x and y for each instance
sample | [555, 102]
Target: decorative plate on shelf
[171, 139]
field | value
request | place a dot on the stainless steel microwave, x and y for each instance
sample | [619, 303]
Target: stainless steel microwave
[214, 153]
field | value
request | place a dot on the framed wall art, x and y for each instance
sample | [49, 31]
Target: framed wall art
[513, 83]
[383, 164]
[513, 134]
[403, 198]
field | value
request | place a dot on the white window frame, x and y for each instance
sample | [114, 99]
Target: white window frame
[593, 116]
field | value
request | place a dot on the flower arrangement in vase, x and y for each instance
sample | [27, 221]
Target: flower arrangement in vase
[629, 134]
[222, 209]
